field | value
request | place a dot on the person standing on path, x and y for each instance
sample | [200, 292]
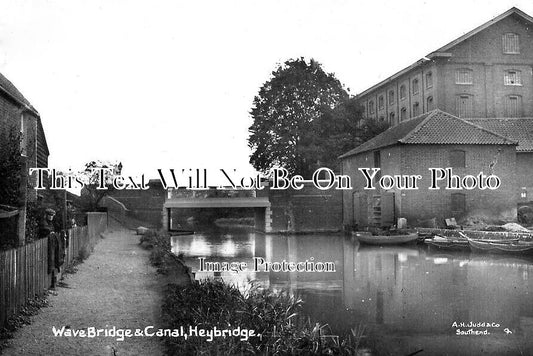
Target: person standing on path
[56, 246]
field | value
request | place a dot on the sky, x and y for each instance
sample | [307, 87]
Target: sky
[170, 84]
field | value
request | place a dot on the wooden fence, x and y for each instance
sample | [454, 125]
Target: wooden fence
[24, 270]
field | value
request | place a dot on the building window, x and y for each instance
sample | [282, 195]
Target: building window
[381, 102]
[463, 76]
[416, 109]
[391, 97]
[371, 107]
[415, 87]
[391, 118]
[403, 114]
[458, 203]
[429, 103]
[512, 77]
[402, 92]
[429, 80]
[511, 43]
[457, 159]
[513, 106]
[463, 106]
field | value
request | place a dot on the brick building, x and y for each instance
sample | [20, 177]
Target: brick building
[17, 113]
[485, 73]
[431, 140]
[520, 130]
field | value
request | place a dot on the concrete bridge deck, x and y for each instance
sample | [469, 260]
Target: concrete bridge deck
[247, 202]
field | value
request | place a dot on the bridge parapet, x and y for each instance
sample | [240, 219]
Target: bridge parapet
[210, 193]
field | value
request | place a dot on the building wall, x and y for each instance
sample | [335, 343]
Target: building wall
[425, 90]
[423, 204]
[483, 54]
[13, 116]
[144, 205]
[524, 174]
[9, 115]
[308, 209]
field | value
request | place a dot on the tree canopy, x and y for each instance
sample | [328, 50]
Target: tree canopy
[90, 194]
[283, 112]
[303, 119]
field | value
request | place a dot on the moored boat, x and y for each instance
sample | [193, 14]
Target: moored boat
[519, 247]
[448, 243]
[400, 239]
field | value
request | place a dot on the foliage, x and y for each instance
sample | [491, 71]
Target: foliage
[337, 131]
[33, 216]
[11, 165]
[30, 309]
[273, 315]
[90, 194]
[283, 112]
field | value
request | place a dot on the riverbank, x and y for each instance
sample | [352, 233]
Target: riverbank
[253, 320]
[115, 288]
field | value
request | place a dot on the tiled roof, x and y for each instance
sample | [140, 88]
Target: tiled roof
[7, 86]
[433, 128]
[516, 129]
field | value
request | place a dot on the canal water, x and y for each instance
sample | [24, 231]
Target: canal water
[407, 299]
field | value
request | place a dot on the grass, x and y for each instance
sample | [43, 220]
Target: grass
[275, 316]
[30, 309]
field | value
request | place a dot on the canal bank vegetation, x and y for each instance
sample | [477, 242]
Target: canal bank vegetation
[275, 317]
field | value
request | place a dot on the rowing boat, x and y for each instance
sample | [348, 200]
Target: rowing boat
[515, 247]
[448, 243]
[369, 239]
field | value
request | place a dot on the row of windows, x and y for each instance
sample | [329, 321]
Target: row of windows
[391, 96]
[464, 105]
[510, 77]
[416, 111]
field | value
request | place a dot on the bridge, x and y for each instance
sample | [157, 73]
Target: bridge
[261, 206]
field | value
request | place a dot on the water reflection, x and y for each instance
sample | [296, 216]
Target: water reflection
[407, 297]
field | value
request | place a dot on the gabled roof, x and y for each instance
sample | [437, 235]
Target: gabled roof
[516, 129]
[511, 11]
[442, 51]
[433, 128]
[8, 88]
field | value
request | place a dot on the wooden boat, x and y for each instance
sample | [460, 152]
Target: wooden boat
[448, 243]
[369, 239]
[519, 247]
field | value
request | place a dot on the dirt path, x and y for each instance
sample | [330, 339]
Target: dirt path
[116, 286]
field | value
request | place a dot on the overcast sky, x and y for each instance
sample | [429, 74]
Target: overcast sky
[162, 84]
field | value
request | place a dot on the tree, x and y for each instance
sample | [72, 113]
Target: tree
[297, 94]
[90, 194]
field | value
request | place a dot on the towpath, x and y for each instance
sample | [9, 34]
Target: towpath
[115, 287]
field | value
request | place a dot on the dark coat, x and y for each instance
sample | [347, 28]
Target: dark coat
[56, 251]
[45, 228]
